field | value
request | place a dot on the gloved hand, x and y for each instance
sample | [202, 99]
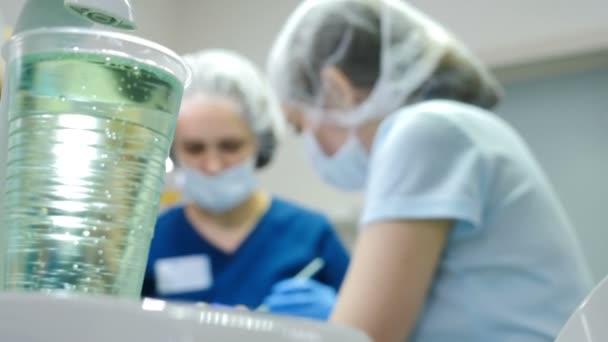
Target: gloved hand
[301, 297]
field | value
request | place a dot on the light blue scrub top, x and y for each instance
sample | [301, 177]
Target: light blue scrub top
[511, 269]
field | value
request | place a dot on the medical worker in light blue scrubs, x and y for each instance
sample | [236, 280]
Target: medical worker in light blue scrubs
[462, 237]
[233, 243]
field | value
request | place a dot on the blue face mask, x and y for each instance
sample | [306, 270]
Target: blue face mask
[221, 192]
[346, 169]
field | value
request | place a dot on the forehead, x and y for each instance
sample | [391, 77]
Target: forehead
[203, 117]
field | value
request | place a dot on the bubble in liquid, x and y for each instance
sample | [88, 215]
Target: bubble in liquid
[75, 266]
[100, 252]
[62, 98]
[94, 107]
[86, 233]
[108, 59]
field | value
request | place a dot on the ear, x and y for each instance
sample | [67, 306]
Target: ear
[339, 91]
[294, 117]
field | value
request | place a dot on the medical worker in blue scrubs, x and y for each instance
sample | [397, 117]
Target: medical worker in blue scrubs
[462, 237]
[233, 243]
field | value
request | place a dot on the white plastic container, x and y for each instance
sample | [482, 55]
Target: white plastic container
[38, 317]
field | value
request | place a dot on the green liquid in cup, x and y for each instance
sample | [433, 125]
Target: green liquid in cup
[88, 138]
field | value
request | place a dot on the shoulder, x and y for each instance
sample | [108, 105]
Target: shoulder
[165, 236]
[430, 122]
[171, 214]
[168, 219]
[285, 211]
[435, 127]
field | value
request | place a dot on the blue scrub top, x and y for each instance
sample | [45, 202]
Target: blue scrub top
[183, 266]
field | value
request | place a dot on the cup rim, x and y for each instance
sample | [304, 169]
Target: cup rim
[184, 75]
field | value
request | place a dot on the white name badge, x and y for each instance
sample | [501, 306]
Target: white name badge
[183, 274]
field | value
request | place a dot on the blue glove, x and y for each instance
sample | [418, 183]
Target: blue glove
[301, 297]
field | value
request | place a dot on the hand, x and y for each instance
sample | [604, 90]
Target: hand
[301, 297]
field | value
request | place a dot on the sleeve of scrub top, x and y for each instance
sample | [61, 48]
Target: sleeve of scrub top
[424, 167]
[336, 259]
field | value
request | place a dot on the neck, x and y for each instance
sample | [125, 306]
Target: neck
[228, 230]
[367, 133]
[248, 211]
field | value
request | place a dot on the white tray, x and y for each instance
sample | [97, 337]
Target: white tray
[589, 323]
[28, 317]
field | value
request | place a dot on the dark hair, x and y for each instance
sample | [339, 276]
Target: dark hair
[267, 144]
[362, 62]
[457, 76]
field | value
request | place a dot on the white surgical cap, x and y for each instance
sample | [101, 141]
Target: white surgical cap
[228, 75]
[408, 46]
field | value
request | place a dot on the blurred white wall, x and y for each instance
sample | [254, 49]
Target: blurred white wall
[156, 19]
[501, 31]
[504, 32]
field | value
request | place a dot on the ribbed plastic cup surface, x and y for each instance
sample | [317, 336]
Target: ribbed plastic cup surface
[88, 135]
